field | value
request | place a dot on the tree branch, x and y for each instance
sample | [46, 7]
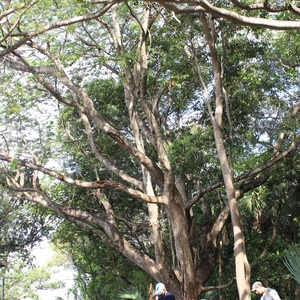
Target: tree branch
[231, 16]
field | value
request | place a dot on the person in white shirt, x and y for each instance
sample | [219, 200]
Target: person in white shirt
[267, 293]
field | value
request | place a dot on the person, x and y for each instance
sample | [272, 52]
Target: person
[267, 293]
[162, 293]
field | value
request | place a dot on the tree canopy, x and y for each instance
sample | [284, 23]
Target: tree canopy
[152, 126]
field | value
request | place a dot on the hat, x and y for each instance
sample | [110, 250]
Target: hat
[256, 285]
[159, 288]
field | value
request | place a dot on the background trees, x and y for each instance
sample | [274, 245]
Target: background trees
[28, 279]
[162, 124]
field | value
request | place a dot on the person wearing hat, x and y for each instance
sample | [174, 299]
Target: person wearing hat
[162, 293]
[267, 293]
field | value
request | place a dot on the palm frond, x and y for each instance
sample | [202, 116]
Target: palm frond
[291, 260]
[130, 295]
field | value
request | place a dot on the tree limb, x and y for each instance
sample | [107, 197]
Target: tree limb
[231, 16]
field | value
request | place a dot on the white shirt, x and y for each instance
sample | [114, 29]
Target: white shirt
[270, 294]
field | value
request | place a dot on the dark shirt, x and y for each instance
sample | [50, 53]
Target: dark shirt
[167, 296]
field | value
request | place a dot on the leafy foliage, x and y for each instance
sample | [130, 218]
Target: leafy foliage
[25, 280]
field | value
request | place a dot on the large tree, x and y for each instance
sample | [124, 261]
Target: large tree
[170, 59]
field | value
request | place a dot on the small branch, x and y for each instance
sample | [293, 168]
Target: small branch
[218, 287]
